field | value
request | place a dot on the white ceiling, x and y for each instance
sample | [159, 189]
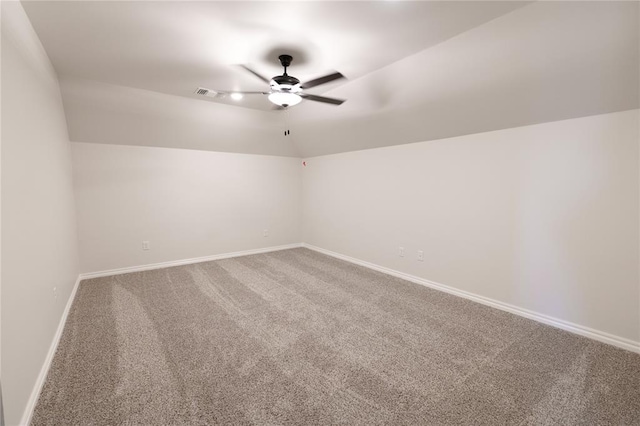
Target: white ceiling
[416, 70]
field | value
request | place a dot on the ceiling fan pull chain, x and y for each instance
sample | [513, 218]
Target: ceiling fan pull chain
[286, 121]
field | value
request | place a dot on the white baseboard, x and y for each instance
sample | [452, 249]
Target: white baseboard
[601, 336]
[169, 264]
[33, 398]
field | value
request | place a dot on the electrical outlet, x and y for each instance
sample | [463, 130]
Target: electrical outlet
[265, 233]
[55, 292]
[145, 245]
[420, 255]
[401, 251]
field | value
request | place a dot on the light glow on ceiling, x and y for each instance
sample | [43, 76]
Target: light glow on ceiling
[237, 96]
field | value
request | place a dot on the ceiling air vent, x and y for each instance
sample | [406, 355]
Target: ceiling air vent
[206, 92]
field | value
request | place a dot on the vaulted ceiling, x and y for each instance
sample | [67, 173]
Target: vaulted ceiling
[416, 71]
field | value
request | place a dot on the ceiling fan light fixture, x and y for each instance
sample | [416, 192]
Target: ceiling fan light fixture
[284, 90]
[285, 99]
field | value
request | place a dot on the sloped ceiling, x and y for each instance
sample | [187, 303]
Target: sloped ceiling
[416, 71]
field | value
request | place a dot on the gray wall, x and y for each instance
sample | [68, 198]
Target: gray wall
[542, 217]
[39, 241]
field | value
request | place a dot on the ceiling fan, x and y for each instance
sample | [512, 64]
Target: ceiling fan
[286, 90]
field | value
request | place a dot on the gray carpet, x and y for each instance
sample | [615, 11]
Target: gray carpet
[296, 337]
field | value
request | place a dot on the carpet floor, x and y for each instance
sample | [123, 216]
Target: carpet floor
[297, 337]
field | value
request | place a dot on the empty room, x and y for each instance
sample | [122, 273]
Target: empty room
[320, 212]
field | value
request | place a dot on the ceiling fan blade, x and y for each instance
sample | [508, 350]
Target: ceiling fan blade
[324, 99]
[261, 77]
[231, 92]
[322, 80]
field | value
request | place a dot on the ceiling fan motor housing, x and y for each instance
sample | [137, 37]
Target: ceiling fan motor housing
[285, 80]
